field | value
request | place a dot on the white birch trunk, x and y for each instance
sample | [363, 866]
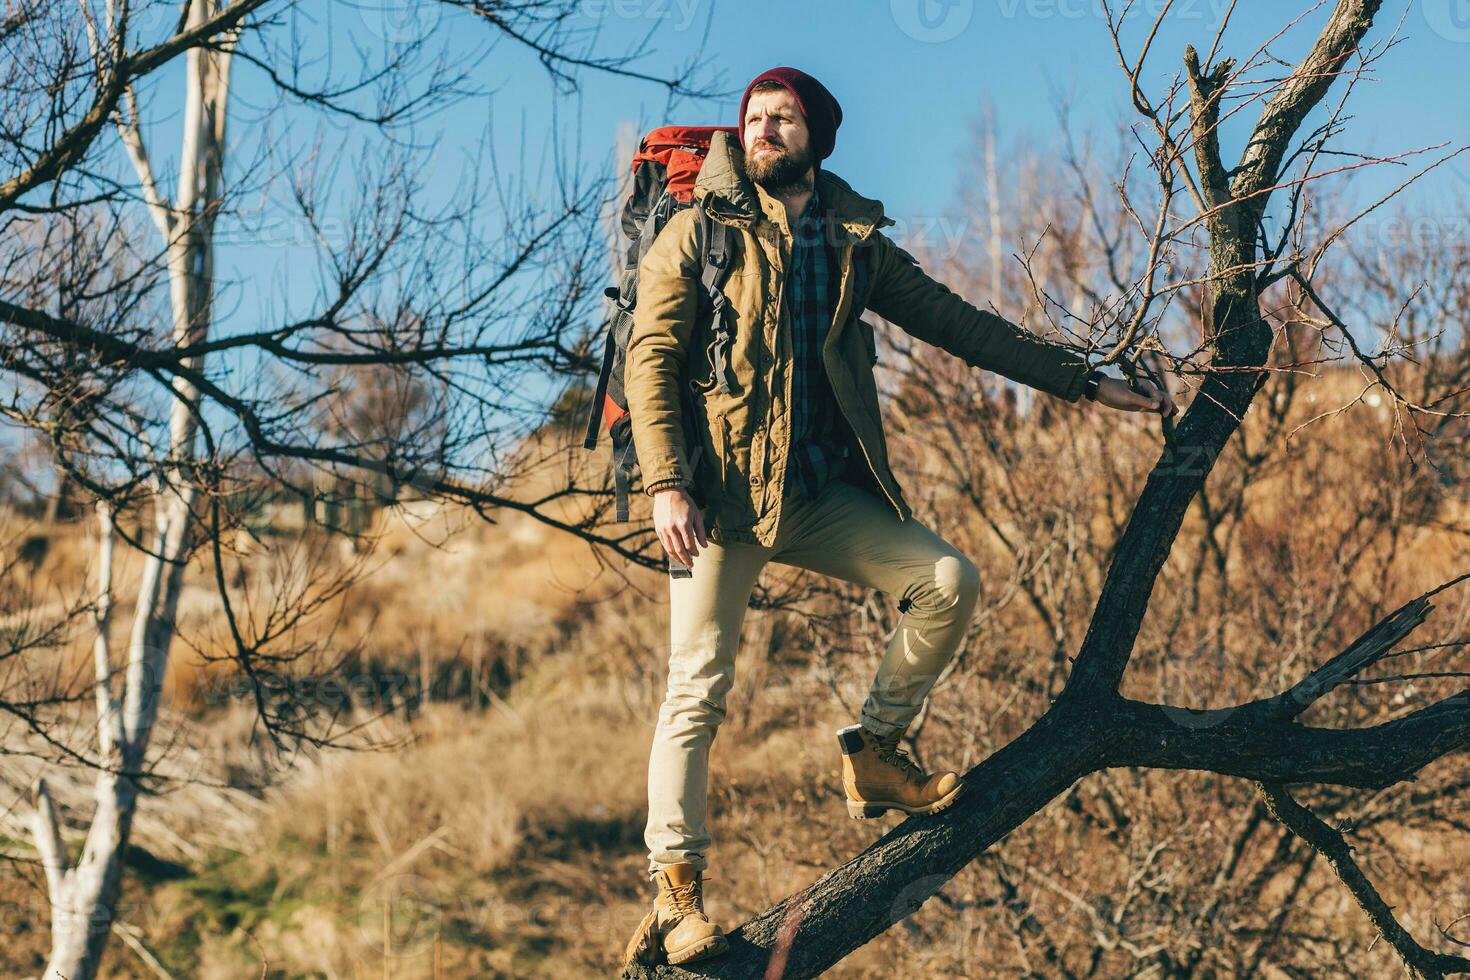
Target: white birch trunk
[992, 197]
[84, 895]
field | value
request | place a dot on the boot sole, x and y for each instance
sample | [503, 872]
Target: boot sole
[712, 946]
[869, 809]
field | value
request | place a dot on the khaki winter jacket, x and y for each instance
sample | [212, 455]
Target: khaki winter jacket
[733, 456]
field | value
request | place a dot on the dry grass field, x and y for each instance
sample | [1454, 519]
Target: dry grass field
[509, 682]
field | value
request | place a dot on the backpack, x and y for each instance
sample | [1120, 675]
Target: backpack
[664, 172]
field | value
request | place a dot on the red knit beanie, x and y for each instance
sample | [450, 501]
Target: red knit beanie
[823, 114]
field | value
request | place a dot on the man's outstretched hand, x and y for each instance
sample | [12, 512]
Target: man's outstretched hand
[1115, 393]
[678, 524]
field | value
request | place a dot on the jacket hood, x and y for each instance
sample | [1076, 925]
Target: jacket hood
[731, 197]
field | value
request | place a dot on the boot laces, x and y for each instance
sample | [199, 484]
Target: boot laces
[890, 753]
[684, 899]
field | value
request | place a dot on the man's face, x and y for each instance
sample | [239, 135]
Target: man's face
[778, 149]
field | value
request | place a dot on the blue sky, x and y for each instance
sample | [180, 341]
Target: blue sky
[913, 77]
[913, 74]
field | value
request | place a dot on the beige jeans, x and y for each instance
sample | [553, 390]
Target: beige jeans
[846, 533]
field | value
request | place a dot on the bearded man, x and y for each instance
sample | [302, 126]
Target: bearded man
[793, 467]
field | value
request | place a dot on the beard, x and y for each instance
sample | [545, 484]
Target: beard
[780, 172]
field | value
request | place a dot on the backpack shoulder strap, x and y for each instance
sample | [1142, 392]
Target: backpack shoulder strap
[716, 242]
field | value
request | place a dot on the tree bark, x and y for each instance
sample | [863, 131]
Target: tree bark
[84, 897]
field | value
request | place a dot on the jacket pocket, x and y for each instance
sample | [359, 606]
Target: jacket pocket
[731, 474]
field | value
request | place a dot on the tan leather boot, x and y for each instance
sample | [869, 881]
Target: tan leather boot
[878, 776]
[678, 926]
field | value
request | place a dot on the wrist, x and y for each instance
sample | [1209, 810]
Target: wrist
[663, 486]
[1091, 384]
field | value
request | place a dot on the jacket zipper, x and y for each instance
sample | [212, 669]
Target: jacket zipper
[780, 472]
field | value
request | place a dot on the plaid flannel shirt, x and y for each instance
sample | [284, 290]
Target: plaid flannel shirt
[817, 449]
